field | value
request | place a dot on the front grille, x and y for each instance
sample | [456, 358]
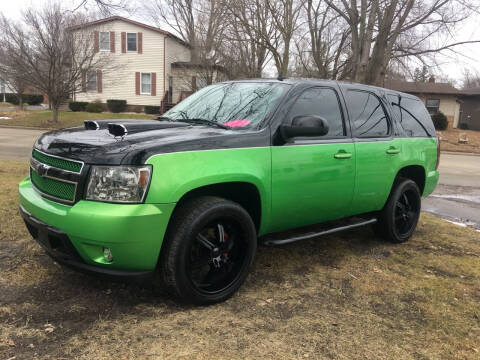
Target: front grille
[56, 178]
[57, 162]
[53, 187]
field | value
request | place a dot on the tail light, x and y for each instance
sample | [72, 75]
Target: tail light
[438, 153]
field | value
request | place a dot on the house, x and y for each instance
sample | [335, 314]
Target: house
[436, 96]
[470, 109]
[146, 65]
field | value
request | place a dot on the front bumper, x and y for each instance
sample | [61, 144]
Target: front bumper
[133, 232]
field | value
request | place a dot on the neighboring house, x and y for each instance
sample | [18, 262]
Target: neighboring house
[470, 108]
[142, 64]
[437, 97]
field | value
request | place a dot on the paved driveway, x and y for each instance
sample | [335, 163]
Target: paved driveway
[16, 144]
[456, 198]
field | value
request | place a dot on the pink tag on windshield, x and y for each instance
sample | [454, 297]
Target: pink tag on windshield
[237, 123]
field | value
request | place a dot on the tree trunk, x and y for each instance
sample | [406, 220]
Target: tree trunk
[55, 114]
[20, 101]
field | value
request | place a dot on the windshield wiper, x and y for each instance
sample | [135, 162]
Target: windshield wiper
[164, 118]
[203, 122]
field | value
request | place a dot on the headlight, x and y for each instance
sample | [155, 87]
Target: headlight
[123, 184]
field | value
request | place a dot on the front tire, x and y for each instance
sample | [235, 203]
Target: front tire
[208, 250]
[399, 217]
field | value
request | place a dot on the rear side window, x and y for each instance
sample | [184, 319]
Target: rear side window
[367, 114]
[412, 116]
[321, 102]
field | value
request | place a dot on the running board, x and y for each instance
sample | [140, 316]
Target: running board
[273, 242]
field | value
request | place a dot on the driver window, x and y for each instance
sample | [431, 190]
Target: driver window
[321, 102]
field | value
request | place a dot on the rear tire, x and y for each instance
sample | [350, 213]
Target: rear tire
[208, 250]
[399, 217]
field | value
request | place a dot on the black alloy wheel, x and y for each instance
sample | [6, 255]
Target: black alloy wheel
[407, 209]
[399, 217]
[208, 251]
[217, 256]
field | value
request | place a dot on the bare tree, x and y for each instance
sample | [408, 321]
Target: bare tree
[47, 55]
[271, 24]
[322, 50]
[11, 78]
[471, 79]
[382, 31]
[106, 7]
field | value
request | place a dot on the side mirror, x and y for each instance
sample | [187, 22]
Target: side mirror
[305, 125]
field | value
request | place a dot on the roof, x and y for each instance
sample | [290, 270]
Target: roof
[188, 64]
[471, 91]
[421, 87]
[120, 18]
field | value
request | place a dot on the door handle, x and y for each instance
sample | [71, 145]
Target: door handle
[393, 150]
[342, 155]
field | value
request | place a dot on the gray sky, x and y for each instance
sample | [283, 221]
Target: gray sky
[451, 64]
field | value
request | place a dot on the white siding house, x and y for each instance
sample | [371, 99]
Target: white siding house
[139, 62]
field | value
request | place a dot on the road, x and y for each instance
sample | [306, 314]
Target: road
[16, 144]
[457, 197]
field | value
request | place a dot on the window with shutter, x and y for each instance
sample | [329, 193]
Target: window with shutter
[132, 42]
[105, 41]
[146, 83]
[92, 80]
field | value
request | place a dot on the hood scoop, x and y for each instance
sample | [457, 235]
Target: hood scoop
[125, 127]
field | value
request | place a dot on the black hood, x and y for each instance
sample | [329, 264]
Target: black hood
[142, 139]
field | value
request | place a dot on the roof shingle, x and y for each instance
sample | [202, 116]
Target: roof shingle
[421, 87]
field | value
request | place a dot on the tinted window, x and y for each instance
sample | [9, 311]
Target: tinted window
[366, 114]
[409, 114]
[321, 102]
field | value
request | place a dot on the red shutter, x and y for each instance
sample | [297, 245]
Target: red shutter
[124, 42]
[84, 81]
[95, 41]
[137, 83]
[140, 42]
[112, 41]
[99, 81]
[154, 84]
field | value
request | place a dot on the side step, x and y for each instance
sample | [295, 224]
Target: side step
[272, 242]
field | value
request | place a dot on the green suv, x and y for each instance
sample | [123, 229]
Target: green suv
[188, 196]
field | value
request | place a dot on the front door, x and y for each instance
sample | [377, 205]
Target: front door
[313, 178]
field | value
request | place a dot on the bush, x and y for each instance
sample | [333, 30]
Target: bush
[151, 109]
[94, 107]
[30, 99]
[117, 106]
[463, 126]
[77, 105]
[440, 121]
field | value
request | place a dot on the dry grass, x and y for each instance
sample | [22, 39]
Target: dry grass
[5, 105]
[43, 118]
[348, 296]
[449, 140]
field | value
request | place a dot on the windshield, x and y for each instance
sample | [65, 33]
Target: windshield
[232, 105]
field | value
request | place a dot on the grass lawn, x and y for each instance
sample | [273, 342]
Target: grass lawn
[43, 118]
[344, 296]
[5, 105]
[449, 140]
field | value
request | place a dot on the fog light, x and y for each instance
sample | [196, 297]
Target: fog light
[107, 254]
